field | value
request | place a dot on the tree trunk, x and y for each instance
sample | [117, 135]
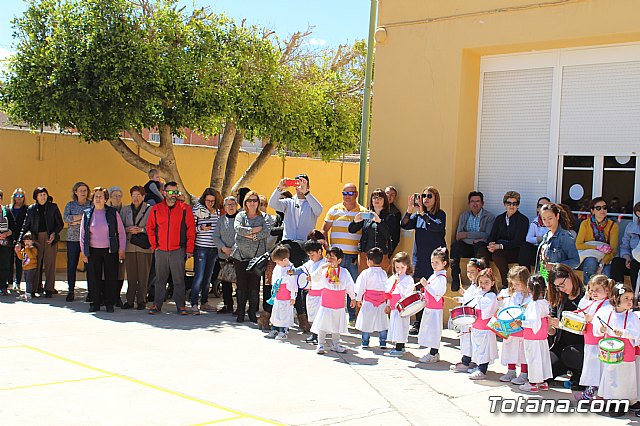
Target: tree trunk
[255, 167]
[220, 162]
[168, 166]
[232, 162]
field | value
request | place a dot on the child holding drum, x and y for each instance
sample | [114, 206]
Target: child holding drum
[621, 329]
[597, 298]
[536, 347]
[399, 286]
[516, 295]
[474, 266]
[370, 295]
[433, 290]
[484, 347]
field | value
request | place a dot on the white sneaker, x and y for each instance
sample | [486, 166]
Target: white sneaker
[320, 349]
[430, 359]
[528, 387]
[272, 334]
[477, 375]
[281, 336]
[338, 348]
[511, 374]
[521, 379]
[459, 368]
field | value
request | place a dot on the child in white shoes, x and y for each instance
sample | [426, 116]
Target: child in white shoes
[433, 290]
[370, 295]
[283, 294]
[484, 347]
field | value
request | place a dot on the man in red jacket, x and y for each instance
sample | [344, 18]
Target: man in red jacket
[172, 233]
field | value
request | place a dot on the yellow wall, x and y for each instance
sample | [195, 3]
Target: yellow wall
[427, 80]
[66, 160]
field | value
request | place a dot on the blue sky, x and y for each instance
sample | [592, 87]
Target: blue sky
[335, 21]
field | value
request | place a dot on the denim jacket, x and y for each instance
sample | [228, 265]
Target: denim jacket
[630, 239]
[561, 248]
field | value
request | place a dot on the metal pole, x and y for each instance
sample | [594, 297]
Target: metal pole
[366, 106]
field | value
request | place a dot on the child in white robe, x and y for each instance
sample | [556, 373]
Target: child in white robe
[474, 266]
[512, 353]
[283, 294]
[484, 345]
[399, 286]
[619, 381]
[536, 347]
[370, 295]
[335, 283]
[433, 289]
[313, 249]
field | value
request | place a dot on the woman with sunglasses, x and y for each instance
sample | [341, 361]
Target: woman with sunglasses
[597, 240]
[252, 230]
[377, 231]
[507, 235]
[566, 349]
[18, 209]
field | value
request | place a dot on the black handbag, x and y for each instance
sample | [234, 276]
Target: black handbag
[258, 264]
[142, 239]
[227, 271]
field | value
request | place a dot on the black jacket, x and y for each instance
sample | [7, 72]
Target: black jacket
[394, 224]
[18, 219]
[52, 217]
[512, 236]
[374, 234]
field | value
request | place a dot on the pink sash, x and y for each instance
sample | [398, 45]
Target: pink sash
[637, 350]
[589, 338]
[376, 297]
[432, 303]
[333, 299]
[283, 293]
[540, 335]
[394, 299]
[629, 351]
[481, 324]
[315, 292]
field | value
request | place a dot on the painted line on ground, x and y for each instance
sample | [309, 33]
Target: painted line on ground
[61, 382]
[152, 386]
[228, 419]
[11, 347]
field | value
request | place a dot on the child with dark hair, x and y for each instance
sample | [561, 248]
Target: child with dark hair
[433, 289]
[283, 294]
[536, 346]
[370, 295]
[399, 286]
[28, 254]
[313, 249]
[484, 347]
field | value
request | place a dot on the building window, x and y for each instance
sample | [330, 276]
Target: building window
[618, 181]
[154, 137]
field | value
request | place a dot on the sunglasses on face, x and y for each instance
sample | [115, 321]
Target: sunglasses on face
[252, 200]
[428, 195]
[18, 195]
[512, 203]
[349, 193]
[173, 192]
[598, 208]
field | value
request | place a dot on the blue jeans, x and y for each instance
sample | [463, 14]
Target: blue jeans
[382, 334]
[204, 259]
[73, 256]
[590, 267]
[350, 263]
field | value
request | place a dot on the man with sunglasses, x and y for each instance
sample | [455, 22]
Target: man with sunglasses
[172, 234]
[508, 232]
[474, 226]
[337, 221]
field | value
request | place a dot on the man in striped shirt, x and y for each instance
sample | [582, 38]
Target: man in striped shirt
[337, 221]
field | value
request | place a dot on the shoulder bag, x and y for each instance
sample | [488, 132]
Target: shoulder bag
[141, 239]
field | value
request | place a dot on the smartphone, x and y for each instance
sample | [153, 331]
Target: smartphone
[367, 215]
[416, 197]
[292, 182]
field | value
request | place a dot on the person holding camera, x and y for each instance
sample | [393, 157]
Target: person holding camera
[376, 229]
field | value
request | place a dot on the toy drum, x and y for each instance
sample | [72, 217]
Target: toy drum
[573, 322]
[410, 305]
[494, 325]
[462, 315]
[611, 350]
[507, 318]
[453, 326]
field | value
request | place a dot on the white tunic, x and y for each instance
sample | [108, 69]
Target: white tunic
[618, 380]
[465, 330]
[484, 347]
[399, 326]
[431, 322]
[637, 362]
[591, 365]
[332, 320]
[371, 318]
[313, 302]
[283, 311]
[513, 346]
[536, 352]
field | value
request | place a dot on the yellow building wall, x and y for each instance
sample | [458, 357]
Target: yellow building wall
[427, 75]
[66, 159]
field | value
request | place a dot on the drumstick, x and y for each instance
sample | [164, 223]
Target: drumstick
[604, 323]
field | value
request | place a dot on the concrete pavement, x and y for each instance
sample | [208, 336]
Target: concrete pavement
[64, 366]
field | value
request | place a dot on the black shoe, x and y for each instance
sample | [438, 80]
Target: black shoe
[413, 331]
[70, 297]
[34, 295]
[235, 312]
[110, 309]
[119, 303]
[312, 339]
[54, 291]
[94, 309]
[48, 294]
[617, 413]
[141, 306]
[635, 406]
[240, 319]
[126, 305]
[225, 310]
[637, 413]
[88, 299]
[254, 320]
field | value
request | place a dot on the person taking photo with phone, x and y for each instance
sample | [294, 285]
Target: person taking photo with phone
[376, 229]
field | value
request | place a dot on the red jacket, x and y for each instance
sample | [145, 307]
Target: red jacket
[171, 228]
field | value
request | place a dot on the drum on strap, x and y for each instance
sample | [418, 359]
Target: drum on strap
[410, 305]
[462, 315]
[611, 350]
[507, 318]
[573, 322]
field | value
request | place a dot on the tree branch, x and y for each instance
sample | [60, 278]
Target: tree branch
[131, 157]
[144, 144]
[255, 167]
[220, 162]
[232, 162]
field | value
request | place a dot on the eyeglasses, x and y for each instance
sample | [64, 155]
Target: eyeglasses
[173, 192]
[252, 200]
[512, 203]
[428, 195]
[376, 197]
[540, 205]
[349, 193]
[230, 204]
[17, 195]
[209, 201]
[562, 284]
[598, 208]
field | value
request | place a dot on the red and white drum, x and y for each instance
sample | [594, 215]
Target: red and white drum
[463, 315]
[410, 305]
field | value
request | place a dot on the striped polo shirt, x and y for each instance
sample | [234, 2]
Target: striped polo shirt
[340, 218]
[203, 217]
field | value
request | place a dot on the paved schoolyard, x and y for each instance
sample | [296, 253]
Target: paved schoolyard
[61, 365]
